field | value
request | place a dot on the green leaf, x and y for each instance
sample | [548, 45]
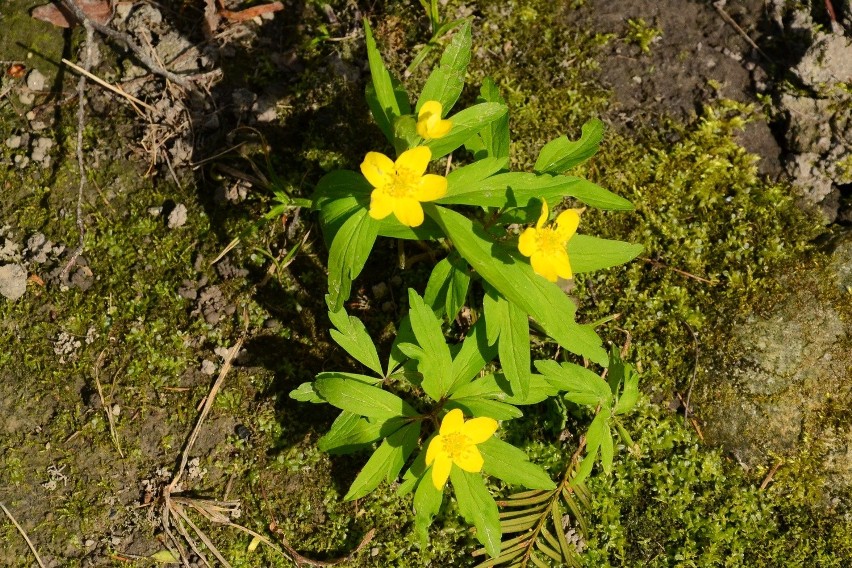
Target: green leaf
[414, 474]
[473, 355]
[475, 172]
[478, 508]
[436, 288]
[386, 462]
[427, 503]
[458, 285]
[337, 196]
[383, 85]
[492, 309]
[514, 348]
[595, 196]
[495, 137]
[362, 399]
[481, 406]
[466, 123]
[353, 337]
[391, 227]
[505, 461]
[561, 154]
[592, 253]
[366, 379]
[350, 433]
[512, 276]
[435, 362]
[517, 189]
[305, 393]
[403, 335]
[446, 82]
[581, 385]
[623, 376]
[607, 449]
[348, 254]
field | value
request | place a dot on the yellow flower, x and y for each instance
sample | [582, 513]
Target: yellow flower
[456, 444]
[429, 122]
[400, 186]
[546, 245]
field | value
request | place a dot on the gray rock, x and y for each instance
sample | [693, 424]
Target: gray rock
[177, 218]
[13, 281]
[780, 385]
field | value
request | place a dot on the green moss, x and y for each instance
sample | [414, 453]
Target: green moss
[642, 34]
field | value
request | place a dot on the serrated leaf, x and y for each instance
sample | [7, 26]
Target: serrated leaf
[513, 278]
[446, 81]
[589, 253]
[386, 462]
[472, 357]
[414, 474]
[505, 461]
[495, 137]
[514, 349]
[305, 393]
[561, 154]
[403, 335]
[352, 336]
[476, 172]
[348, 254]
[478, 508]
[435, 361]
[478, 406]
[494, 313]
[581, 385]
[466, 123]
[350, 432]
[362, 399]
[387, 103]
[436, 288]
[338, 195]
[427, 503]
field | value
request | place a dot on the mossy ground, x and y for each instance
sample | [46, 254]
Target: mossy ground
[714, 232]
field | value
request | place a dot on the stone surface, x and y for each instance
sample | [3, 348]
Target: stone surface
[13, 281]
[781, 384]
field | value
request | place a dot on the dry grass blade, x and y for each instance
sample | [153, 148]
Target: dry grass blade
[23, 534]
[117, 90]
[107, 409]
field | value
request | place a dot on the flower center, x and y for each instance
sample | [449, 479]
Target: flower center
[549, 242]
[456, 444]
[403, 183]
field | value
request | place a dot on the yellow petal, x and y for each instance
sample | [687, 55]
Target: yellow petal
[528, 243]
[479, 429]
[543, 217]
[431, 187]
[409, 211]
[436, 446]
[471, 460]
[414, 160]
[442, 128]
[567, 223]
[381, 204]
[428, 117]
[430, 108]
[441, 471]
[452, 422]
[377, 168]
[542, 265]
[562, 266]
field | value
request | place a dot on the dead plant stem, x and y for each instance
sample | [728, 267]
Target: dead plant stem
[23, 534]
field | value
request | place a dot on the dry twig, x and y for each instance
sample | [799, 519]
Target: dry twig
[81, 119]
[117, 90]
[108, 409]
[23, 534]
